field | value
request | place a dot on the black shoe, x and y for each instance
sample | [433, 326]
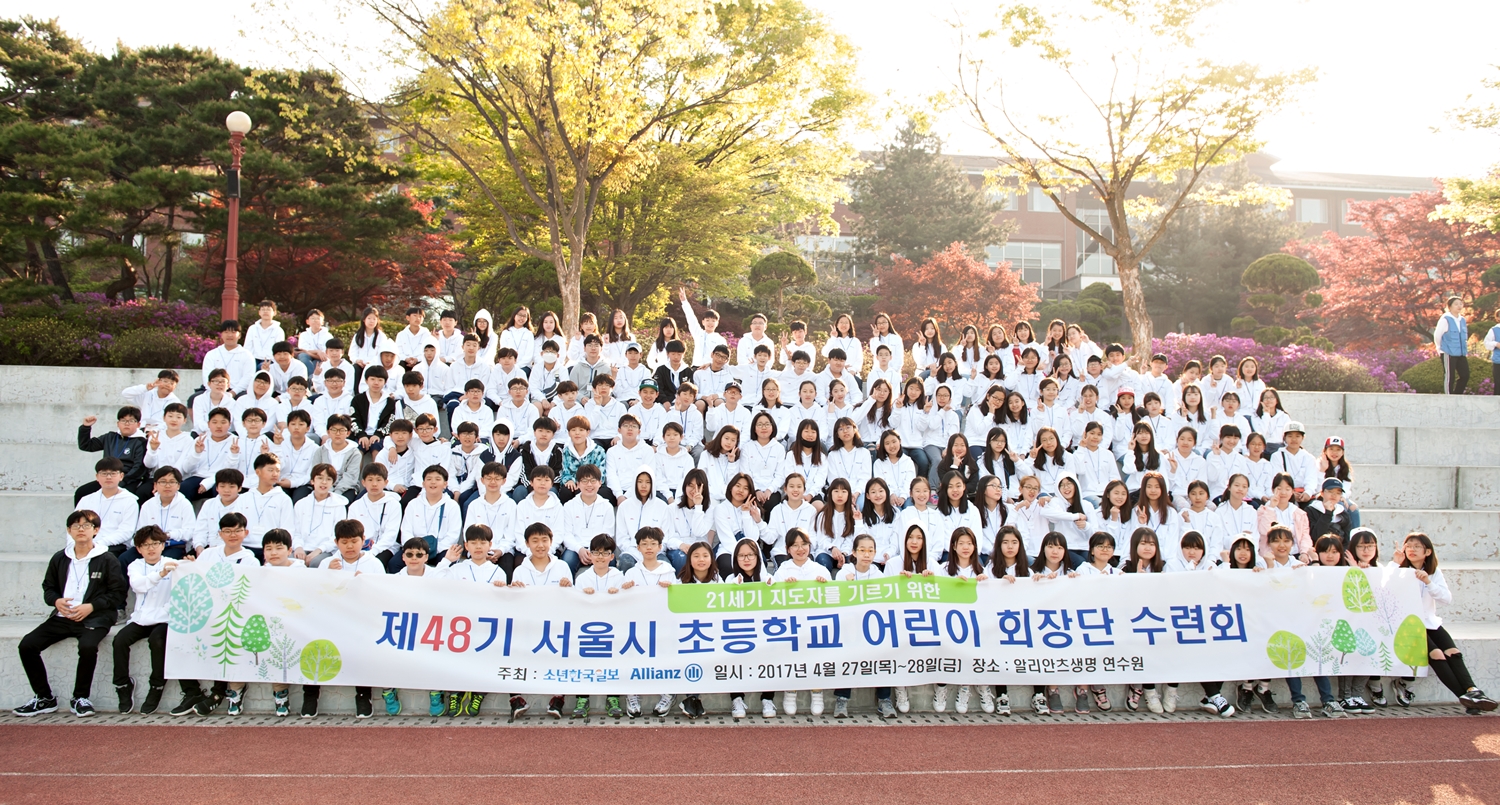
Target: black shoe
[210, 702]
[81, 707]
[189, 703]
[126, 692]
[555, 706]
[699, 710]
[36, 707]
[362, 707]
[1476, 700]
[153, 700]
[309, 706]
[1267, 701]
[1245, 700]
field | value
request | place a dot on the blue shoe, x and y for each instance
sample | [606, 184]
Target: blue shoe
[435, 704]
[392, 701]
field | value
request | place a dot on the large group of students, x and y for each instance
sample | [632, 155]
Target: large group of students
[606, 460]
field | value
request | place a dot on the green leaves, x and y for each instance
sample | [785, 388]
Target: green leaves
[1364, 643]
[1359, 596]
[321, 661]
[256, 636]
[219, 575]
[191, 605]
[1410, 644]
[1343, 639]
[1286, 651]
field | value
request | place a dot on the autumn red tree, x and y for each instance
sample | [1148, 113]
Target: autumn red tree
[955, 289]
[1385, 289]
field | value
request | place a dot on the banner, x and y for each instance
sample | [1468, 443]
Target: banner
[255, 624]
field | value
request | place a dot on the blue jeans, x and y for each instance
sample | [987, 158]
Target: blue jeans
[676, 557]
[1325, 689]
[308, 361]
[826, 560]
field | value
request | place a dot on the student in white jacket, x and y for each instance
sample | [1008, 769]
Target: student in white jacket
[640, 506]
[153, 398]
[1072, 516]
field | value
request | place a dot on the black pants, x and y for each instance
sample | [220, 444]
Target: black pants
[1451, 671]
[1495, 378]
[55, 630]
[155, 636]
[1455, 373]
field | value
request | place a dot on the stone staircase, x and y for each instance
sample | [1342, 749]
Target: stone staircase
[1419, 462]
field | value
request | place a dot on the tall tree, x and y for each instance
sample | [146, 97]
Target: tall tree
[913, 202]
[1386, 289]
[1193, 276]
[954, 288]
[1157, 113]
[1476, 200]
[547, 107]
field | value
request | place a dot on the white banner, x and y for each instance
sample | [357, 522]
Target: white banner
[254, 624]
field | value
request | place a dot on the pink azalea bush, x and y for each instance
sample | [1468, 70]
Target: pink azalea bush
[1295, 367]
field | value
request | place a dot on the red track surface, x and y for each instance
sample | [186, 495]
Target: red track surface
[1445, 761]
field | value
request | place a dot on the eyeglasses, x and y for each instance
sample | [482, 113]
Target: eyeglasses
[604, 552]
[229, 531]
[414, 554]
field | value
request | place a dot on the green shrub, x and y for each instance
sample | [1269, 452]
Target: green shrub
[152, 348]
[345, 332]
[40, 342]
[1314, 370]
[1427, 376]
[19, 290]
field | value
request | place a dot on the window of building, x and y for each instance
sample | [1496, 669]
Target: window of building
[1312, 211]
[1037, 201]
[1005, 200]
[1346, 205]
[1091, 257]
[1038, 262]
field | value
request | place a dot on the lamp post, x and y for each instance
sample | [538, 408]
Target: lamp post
[239, 125]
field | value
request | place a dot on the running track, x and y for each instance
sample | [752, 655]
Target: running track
[1443, 761]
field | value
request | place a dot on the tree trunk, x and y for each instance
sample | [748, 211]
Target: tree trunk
[55, 270]
[570, 285]
[1136, 316]
[170, 242]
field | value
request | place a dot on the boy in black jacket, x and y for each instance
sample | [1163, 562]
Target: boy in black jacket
[127, 445]
[1326, 514]
[85, 587]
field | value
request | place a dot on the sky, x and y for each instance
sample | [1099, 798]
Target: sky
[1389, 73]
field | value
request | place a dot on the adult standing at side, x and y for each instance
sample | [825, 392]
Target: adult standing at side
[1451, 337]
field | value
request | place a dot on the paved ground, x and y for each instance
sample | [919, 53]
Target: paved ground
[1418, 756]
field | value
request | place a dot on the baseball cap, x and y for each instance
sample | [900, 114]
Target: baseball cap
[1295, 427]
[1334, 441]
[1333, 483]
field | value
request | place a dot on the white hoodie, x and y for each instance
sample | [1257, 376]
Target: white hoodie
[487, 351]
[632, 513]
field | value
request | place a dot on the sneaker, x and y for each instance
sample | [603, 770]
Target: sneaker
[208, 704]
[1054, 700]
[236, 701]
[518, 707]
[153, 700]
[1332, 710]
[939, 698]
[612, 706]
[81, 707]
[126, 693]
[986, 698]
[699, 710]
[815, 706]
[189, 704]
[1039, 703]
[633, 706]
[1301, 710]
[1169, 700]
[663, 705]
[1002, 704]
[580, 707]
[1218, 704]
[39, 706]
[841, 707]
[435, 705]
[1153, 700]
[961, 701]
[737, 708]
[309, 706]
[1267, 700]
[1365, 708]
[789, 702]
[362, 706]
[1375, 692]
[392, 701]
[767, 708]
[903, 701]
[1133, 699]
[282, 700]
[1080, 699]
[686, 707]
[455, 704]
[1404, 693]
[555, 706]
[1246, 699]
[1474, 698]
[472, 704]
[885, 708]
[1101, 700]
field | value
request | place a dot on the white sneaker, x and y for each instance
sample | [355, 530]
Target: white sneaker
[663, 705]
[939, 698]
[961, 702]
[987, 698]
[903, 701]
[1153, 700]
[767, 708]
[1003, 705]
[738, 709]
[1169, 701]
[789, 702]
[1039, 704]
[816, 705]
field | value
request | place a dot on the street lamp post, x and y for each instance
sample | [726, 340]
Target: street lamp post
[239, 125]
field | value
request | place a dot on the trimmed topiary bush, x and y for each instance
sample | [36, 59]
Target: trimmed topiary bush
[1427, 376]
[41, 342]
[157, 348]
